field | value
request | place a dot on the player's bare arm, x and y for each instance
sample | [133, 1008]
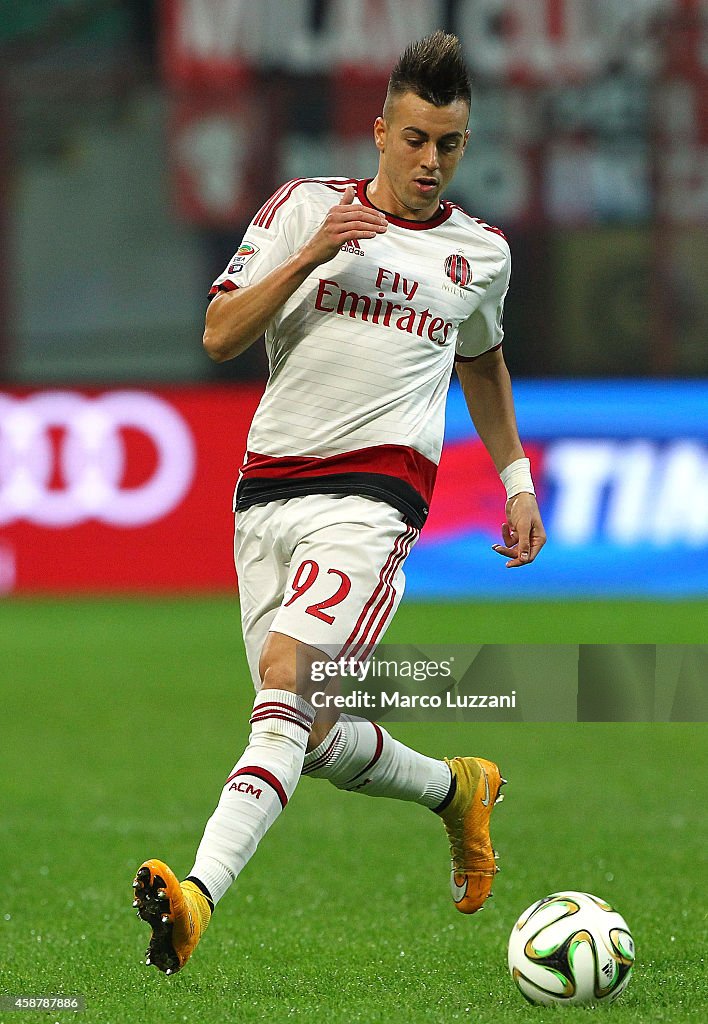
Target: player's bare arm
[236, 319]
[487, 388]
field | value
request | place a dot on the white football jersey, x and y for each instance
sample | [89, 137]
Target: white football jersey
[361, 355]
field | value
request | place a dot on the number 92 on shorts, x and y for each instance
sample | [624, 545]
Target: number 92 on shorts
[325, 569]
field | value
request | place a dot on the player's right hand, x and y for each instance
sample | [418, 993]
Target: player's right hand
[344, 222]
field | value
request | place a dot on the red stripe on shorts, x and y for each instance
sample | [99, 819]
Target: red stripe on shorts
[365, 645]
[358, 635]
[365, 609]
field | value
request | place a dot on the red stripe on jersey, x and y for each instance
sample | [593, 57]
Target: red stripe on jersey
[388, 459]
[482, 224]
[263, 212]
[336, 186]
[290, 186]
[225, 286]
[400, 222]
[493, 229]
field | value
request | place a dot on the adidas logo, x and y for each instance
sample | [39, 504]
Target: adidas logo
[354, 247]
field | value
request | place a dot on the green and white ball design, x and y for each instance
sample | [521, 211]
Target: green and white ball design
[571, 948]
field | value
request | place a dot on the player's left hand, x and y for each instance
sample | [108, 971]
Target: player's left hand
[523, 533]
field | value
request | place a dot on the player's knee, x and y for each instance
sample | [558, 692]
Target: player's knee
[277, 675]
[277, 665]
[285, 664]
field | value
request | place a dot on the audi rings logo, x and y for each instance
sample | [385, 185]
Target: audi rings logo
[64, 458]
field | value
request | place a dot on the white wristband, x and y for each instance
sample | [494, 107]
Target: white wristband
[517, 478]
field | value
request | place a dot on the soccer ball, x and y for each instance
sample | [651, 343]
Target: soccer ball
[571, 948]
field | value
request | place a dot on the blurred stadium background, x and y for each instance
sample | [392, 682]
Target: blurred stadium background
[138, 140]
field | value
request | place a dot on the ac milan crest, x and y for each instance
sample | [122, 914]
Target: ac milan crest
[458, 269]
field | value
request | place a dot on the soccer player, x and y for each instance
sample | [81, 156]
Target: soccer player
[368, 292]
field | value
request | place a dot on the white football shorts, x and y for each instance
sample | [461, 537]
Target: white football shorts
[325, 569]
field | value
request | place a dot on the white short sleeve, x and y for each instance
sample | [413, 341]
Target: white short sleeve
[483, 330]
[275, 233]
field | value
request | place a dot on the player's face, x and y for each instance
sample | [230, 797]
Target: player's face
[420, 146]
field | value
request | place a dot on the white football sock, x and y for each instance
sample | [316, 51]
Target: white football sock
[362, 757]
[257, 789]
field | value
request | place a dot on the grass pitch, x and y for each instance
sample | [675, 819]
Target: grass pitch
[121, 719]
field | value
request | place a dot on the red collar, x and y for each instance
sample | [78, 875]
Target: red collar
[401, 222]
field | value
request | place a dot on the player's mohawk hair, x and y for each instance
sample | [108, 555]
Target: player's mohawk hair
[434, 69]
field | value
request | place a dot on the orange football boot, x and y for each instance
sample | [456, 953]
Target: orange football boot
[466, 821]
[177, 912]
